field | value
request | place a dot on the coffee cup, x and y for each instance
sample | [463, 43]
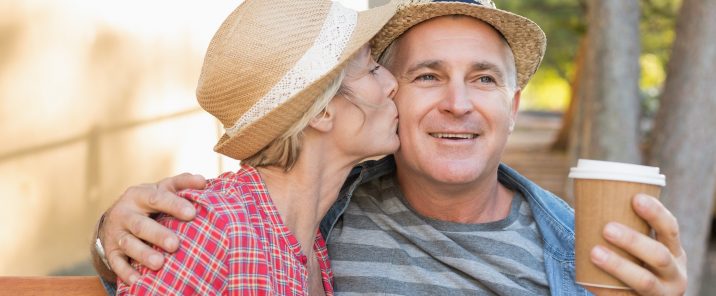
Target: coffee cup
[603, 193]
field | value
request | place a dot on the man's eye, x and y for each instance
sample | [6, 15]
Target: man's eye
[426, 77]
[486, 79]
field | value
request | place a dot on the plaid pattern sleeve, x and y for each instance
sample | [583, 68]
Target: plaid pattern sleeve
[237, 245]
[199, 266]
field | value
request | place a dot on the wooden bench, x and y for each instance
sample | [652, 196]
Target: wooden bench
[51, 285]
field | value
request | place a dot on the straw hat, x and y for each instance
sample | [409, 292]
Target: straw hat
[525, 38]
[271, 59]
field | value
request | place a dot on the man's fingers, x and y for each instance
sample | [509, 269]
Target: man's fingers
[661, 220]
[666, 228]
[653, 253]
[634, 276]
[173, 205]
[182, 181]
[162, 197]
[121, 267]
[150, 198]
[140, 252]
[151, 231]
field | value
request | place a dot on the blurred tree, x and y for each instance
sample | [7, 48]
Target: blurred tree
[683, 142]
[679, 139]
[608, 109]
[564, 21]
[568, 137]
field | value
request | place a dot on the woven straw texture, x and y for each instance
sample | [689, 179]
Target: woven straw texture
[256, 45]
[526, 39]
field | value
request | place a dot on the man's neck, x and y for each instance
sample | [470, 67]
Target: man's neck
[484, 200]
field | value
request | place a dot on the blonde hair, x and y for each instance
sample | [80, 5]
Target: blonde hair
[284, 150]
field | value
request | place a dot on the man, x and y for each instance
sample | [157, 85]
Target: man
[443, 216]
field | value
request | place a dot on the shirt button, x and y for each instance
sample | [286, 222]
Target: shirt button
[303, 259]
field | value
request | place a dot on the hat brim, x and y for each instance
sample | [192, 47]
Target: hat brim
[254, 137]
[526, 39]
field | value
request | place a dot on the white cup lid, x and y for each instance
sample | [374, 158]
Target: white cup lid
[617, 171]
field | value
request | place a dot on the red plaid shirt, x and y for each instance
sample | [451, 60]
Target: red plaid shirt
[236, 245]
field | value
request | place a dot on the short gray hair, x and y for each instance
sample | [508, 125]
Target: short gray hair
[387, 57]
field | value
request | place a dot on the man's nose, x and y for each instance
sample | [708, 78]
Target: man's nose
[456, 101]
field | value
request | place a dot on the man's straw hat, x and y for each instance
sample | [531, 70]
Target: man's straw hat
[525, 38]
[271, 59]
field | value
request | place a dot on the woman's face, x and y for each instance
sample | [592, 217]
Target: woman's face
[367, 119]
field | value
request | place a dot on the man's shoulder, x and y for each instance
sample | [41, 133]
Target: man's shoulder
[378, 188]
[376, 168]
[513, 180]
[542, 202]
[365, 178]
[554, 217]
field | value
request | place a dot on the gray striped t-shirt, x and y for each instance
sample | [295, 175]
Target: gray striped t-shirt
[383, 247]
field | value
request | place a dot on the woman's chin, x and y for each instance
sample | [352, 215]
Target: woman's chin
[394, 145]
[380, 153]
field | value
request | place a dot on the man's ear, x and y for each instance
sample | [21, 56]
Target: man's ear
[323, 122]
[515, 109]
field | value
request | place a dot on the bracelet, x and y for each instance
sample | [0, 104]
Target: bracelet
[98, 245]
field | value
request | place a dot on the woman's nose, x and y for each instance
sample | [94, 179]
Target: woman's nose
[391, 84]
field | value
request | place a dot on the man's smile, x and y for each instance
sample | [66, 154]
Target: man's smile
[454, 136]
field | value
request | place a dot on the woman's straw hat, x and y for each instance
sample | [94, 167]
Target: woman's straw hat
[271, 59]
[525, 38]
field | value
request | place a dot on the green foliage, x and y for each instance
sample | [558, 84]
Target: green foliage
[653, 73]
[546, 92]
[657, 27]
[652, 79]
[658, 19]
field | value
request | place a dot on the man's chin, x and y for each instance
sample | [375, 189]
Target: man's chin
[457, 174]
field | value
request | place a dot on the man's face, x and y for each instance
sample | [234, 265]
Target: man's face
[456, 104]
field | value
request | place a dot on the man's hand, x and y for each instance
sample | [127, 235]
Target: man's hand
[664, 272]
[127, 227]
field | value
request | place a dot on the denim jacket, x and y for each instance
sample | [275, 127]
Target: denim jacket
[555, 219]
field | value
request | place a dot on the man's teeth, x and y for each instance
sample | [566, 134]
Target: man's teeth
[453, 136]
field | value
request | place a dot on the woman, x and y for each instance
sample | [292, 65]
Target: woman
[302, 102]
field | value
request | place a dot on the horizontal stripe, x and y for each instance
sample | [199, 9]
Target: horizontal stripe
[459, 246]
[478, 266]
[382, 286]
[382, 246]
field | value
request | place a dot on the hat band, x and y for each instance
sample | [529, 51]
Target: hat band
[320, 58]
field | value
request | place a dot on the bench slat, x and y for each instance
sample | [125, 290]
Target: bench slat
[51, 285]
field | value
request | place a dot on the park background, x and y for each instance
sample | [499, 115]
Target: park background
[99, 95]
